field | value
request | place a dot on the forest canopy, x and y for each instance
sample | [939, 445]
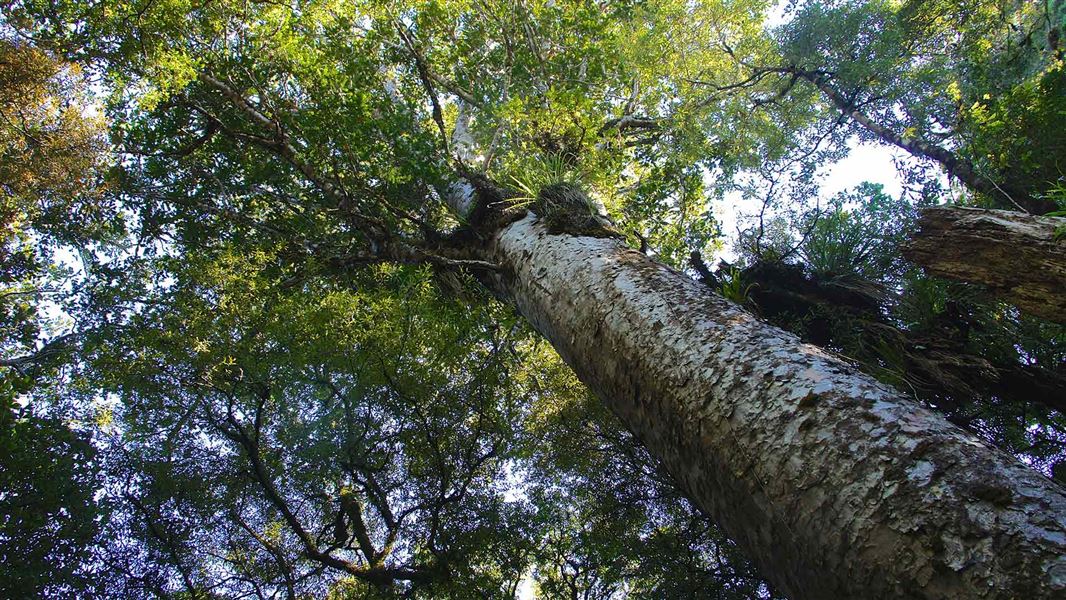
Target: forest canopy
[250, 345]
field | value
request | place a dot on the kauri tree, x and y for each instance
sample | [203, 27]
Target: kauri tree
[377, 299]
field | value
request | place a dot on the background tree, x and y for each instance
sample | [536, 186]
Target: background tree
[51, 197]
[970, 86]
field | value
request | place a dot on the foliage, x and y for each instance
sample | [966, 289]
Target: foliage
[51, 193]
[50, 147]
[230, 366]
[857, 234]
[982, 78]
[733, 287]
[49, 514]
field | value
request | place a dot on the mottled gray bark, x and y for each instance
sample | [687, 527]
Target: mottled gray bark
[1014, 255]
[835, 485]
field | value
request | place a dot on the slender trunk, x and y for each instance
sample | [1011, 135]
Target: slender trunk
[1016, 256]
[834, 484]
[957, 167]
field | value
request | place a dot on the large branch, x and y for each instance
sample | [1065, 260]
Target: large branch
[1014, 193]
[385, 245]
[53, 348]
[1016, 256]
[376, 574]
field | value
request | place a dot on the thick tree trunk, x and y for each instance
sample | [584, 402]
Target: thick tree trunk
[834, 484]
[1013, 254]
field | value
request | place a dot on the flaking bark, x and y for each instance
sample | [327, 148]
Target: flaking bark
[1016, 256]
[834, 484]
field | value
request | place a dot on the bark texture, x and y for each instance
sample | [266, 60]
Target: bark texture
[1015, 255]
[834, 484]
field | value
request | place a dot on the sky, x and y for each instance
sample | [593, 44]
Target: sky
[865, 162]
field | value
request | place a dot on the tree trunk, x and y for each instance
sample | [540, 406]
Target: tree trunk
[834, 484]
[1015, 255]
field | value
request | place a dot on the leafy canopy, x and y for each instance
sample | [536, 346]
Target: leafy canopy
[243, 357]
